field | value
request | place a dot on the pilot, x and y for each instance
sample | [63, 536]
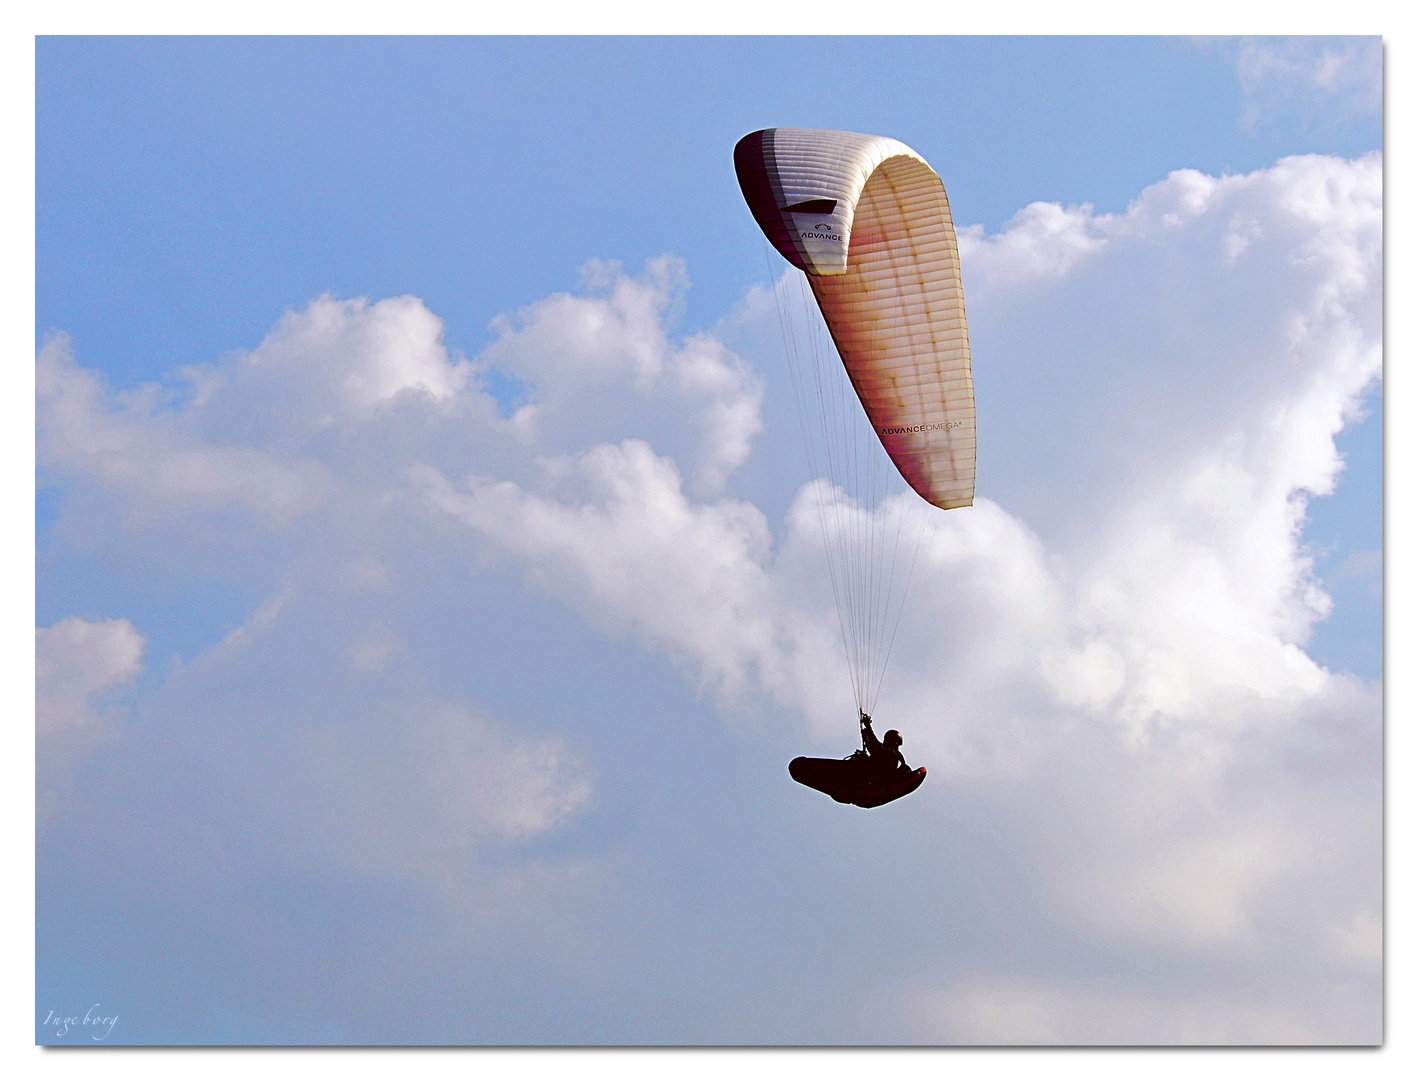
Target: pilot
[884, 757]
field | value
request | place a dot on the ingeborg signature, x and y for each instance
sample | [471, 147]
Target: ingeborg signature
[102, 1026]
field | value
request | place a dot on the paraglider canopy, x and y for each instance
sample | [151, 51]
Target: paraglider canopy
[867, 220]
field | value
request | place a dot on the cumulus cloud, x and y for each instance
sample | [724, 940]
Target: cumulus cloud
[603, 366]
[689, 577]
[1041, 240]
[1211, 539]
[336, 364]
[315, 744]
[130, 446]
[1105, 655]
[293, 469]
[1119, 675]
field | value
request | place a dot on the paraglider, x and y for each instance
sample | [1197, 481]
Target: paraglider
[867, 222]
[873, 776]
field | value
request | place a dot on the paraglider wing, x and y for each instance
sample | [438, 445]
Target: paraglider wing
[868, 221]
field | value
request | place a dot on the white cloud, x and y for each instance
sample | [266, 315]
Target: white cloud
[1316, 80]
[148, 457]
[512, 790]
[342, 396]
[342, 359]
[79, 663]
[318, 742]
[604, 367]
[1151, 651]
[75, 660]
[1038, 1011]
[689, 577]
[419, 788]
[1199, 572]
[1106, 654]
[1041, 240]
[313, 437]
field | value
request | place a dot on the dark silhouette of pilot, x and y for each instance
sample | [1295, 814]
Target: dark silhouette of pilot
[884, 759]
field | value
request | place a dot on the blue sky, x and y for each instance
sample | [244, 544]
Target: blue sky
[393, 667]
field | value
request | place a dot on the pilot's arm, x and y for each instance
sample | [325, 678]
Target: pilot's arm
[868, 737]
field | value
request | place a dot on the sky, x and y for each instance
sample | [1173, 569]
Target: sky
[427, 602]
